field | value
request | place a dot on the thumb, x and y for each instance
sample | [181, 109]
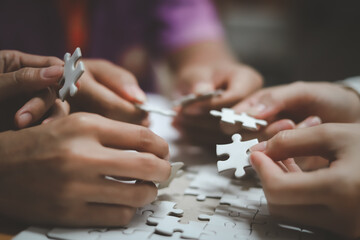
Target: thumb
[28, 80]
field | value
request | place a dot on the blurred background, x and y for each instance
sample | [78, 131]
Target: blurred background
[290, 40]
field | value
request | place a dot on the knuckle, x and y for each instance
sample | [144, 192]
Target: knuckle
[83, 120]
[279, 139]
[149, 164]
[146, 137]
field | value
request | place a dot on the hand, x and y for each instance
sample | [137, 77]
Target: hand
[237, 81]
[54, 174]
[331, 102]
[326, 198]
[27, 87]
[110, 91]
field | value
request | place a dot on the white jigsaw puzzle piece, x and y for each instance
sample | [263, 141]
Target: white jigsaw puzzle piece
[139, 223]
[238, 156]
[71, 75]
[215, 232]
[169, 224]
[154, 109]
[75, 233]
[196, 97]
[117, 234]
[175, 172]
[228, 115]
[161, 209]
[33, 233]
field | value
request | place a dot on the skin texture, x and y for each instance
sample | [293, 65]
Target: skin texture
[28, 85]
[110, 91]
[296, 101]
[327, 198]
[204, 67]
[53, 174]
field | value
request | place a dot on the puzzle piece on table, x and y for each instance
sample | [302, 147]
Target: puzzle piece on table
[175, 236]
[175, 172]
[75, 233]
[154, 109]
[241, 202]
[185, 100]
[207, 185]
[32, 233]
[169, 224]
[118, 234]
[202, 194]
[274, 231]
[160, 209]
[222, 218]
[215, 232]
[72, 73]
[139, 223]
[228, 115]
[238, 156]
[205, 179]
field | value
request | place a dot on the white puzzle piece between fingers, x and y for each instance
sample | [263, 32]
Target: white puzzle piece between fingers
[72, 73]
[175, 172]
[237, 152]
[228, 115]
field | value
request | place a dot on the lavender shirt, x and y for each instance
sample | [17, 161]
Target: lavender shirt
[159, 26]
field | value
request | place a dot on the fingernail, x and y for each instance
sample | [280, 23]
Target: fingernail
[24, 119]
[310, 122]
[257, 109]
[203, 87]
[51, 72]
[136, 92]
[260, 147]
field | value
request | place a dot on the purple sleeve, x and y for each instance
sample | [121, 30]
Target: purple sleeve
[183, 22]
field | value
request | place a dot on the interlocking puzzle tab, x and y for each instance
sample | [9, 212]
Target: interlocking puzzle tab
[238, 156]
[228, 115]
[72, 73]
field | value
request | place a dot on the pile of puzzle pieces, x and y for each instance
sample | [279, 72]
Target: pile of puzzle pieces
[239, 212]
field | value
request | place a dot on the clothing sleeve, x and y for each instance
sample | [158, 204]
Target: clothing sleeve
[353, 83]
[184, 22]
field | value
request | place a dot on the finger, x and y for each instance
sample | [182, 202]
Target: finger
[309, 122]
[111, 192]
[36, 108]
[291, 165]
[313, 215]
[96, 98]
[59, 109]
[314, 141]
[28, 80]
[11, 60]
[130, 137]
[238, 84]
[291, 188]
[196, 80]
[134, 165]
[117, 79]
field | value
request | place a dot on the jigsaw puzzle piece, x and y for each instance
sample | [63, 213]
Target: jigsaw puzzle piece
[237, 152]
[175, 172]
[202, 194]
[33, 233]
[158, 110]
[75, 233]
[72, 73]
[175, 236]
[139, 222]
[169, 224]
[118, 234]
[241, 202]
[228, 115]
[216, 232]
[160, 209]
